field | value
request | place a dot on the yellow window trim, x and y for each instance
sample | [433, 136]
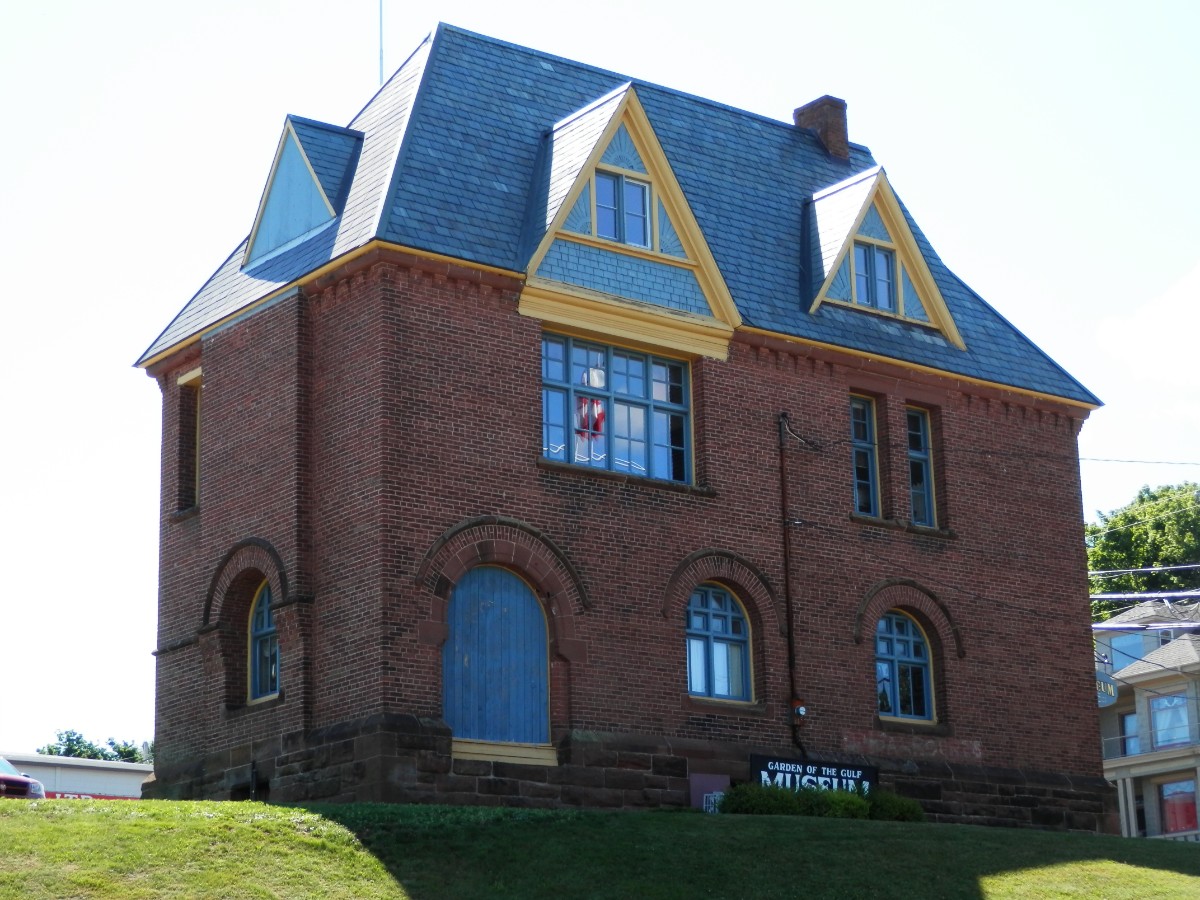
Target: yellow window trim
[495, 751]
[908, 255]
[580, 312]
[190, 377]
[665, 189]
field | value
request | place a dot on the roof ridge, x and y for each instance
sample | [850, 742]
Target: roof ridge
[635, 82]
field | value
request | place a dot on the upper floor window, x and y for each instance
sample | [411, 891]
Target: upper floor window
[875, 276]
[622, 209]
[1169, 720]
[264, 646]
[1131, 744]
[920, 468]
[864, 456]
[610, 408]
[902, 668]
[187, 469]
[718, 645]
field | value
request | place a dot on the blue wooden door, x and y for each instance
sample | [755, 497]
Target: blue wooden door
[494, 662]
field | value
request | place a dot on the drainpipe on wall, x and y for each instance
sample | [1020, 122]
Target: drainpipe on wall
[786, 524]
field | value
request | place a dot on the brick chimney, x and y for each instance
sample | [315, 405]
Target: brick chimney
[827, 117]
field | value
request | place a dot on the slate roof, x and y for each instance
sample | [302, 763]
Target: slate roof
[454, 161]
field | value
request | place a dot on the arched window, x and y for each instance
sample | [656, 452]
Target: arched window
[902, 668]
[264, 646]
[718, 645]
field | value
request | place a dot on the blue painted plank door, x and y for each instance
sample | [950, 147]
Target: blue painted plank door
[494, 662]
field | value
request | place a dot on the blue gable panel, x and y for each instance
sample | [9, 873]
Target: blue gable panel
[872, 226]
[332, 152]
[913, 308]
[668, 238]
[294, 204]
[840, 288]
[579, 219]
[624, 276]
[622, 154]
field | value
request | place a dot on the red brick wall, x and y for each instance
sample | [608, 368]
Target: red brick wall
[353, 427]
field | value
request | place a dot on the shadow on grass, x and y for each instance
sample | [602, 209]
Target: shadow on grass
[439, 852]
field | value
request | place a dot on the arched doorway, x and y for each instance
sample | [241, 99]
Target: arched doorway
[495, 661]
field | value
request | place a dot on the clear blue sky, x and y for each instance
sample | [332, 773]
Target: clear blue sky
[1046, 148]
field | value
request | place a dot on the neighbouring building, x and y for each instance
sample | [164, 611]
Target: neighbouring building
[557, 438]
[72, 778]
[1151, 733]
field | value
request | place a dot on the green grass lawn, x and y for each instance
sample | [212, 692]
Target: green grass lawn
[135, 849]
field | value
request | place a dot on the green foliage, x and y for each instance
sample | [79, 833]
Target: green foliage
[757, 799]
[1161, 527]
[889, 807]
[144, 849]
[72, 743]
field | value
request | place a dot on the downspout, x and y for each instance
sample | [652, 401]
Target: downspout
[786, 524]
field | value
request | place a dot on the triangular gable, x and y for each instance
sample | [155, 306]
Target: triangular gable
[865, 255]
[307, 185]
[621, 254]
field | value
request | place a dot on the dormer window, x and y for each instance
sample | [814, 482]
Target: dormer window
[622, 209]
[874, 276]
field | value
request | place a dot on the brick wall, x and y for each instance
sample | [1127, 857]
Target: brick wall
[379, 433]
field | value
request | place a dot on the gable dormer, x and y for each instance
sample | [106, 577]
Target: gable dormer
[866, 256]
[307, 187]
[616, 249]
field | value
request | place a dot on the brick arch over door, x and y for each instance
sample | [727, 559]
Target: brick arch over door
[511, 544]
[911, 596]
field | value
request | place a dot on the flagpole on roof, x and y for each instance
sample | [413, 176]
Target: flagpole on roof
[381, 43]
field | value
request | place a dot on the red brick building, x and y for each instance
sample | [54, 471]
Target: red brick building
[557, 439]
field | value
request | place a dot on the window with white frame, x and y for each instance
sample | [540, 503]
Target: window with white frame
[1169, 720]
[611, 408]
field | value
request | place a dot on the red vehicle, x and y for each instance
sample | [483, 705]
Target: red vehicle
[14, 784]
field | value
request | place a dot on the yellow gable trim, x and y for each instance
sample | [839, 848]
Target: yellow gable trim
[665, 189]
[908, 255]
[644, 326]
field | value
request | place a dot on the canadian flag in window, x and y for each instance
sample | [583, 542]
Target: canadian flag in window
[589, 430]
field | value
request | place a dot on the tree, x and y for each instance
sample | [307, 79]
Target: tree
[1160, 528]
[72, 743]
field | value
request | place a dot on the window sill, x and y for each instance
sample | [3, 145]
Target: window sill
[182, 515]
[233, 711]
[708, 706]
[909, 726]
[903, 525]
[550, 465]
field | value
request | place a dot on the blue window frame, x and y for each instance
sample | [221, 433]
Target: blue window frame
[264, 646]
[874, 276]
[718, 645]
[610, 408]
[622, 209]
[864, 456]
[920, 469]
[902, 669]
